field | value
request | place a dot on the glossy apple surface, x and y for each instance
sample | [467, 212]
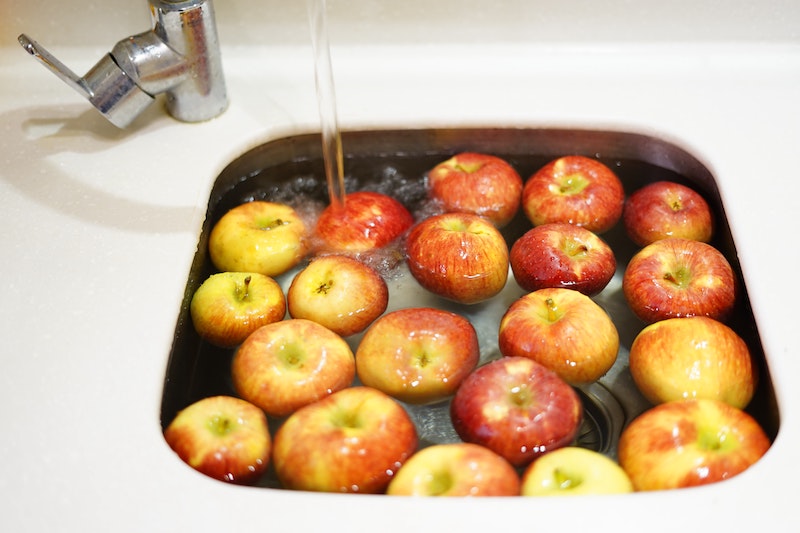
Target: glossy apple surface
[673, 278]
[562, 255]
[458, 256]
[574, 471]
[354, 440]
[562, 329]
[686, 443]
[457, 469]
[418, 355]
[368, 220]
[517, 408]
[574, 190]
[283, 366]
[694, 357]
[477, 183]
[223, 437]
[228, 306]
[264, 237]
[342, 293]
[666, 209]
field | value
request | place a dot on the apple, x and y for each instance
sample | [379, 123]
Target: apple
[693, 357]
[574, 471]
[575, 190]
[285, 365]
[228, 306]
[340, 292]
[223, 437]
[368, 220]
[675, 277]
[562, 329]
[562, 255]
[458, 256]
[517, 408]
[481, 184]
[354, 440]
[686, 443]
[455, 469]
[667, 209]
[265, 237]
[418, 355]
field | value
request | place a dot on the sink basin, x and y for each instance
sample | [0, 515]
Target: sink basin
[395, 161]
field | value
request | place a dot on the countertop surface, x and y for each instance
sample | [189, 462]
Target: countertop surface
[100, 225]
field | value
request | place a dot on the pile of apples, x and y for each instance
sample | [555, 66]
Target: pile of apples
[343, 426]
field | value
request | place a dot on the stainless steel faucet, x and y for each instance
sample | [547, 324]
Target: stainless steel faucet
[180, 56]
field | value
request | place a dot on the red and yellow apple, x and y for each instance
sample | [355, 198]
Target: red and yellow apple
[687, 443]
[418, 355]
[455, 469]
[674, 277]
[340, 292]
[562, 255]
[354, 440]
[223, 437]
[458, 256]
[666, 209]
[562, 329]
[574, 190]
[477, 183]
[285, 365]
[574, 471]
[258, 236]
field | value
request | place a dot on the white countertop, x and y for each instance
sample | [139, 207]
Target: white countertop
[99, 227]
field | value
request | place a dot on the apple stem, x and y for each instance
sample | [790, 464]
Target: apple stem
[552, 310]
[244, 288]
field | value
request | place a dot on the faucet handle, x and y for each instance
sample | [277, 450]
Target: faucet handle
[106, 85]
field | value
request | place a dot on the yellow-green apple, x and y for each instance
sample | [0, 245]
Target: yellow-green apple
[477, 183]
[223, 437]
[455, 469]
[258, 236]
[354, 440]
[562, 329]
[517, 408]
[686, 443]
[575, 190]
[562, 255]
[228, 306]
[667, 209]
[458, 256]
[418, 355]
[693, 357]
[340, 292]
[285, 365]
[367, 220]
[574, 471]
[675, 277]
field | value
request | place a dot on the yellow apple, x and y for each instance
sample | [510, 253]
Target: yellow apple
[573, 471]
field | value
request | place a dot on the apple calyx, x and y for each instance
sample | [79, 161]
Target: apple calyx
[220, 425]
[520, 396]
[291, 355]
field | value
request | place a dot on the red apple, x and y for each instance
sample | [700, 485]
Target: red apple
[686, 443]
[477, 183]
[418, 355]
[354, 440]
[223, 437]
[674, 277]
[574, 190]
[517, 408]
[667, 209]
[694, 357]
[562, 329]
[228, 306]
[283, 366]
[574, 471]
[368, 220]
[264, 237]
[562, 255]
[456, 469]
[458, 256]
[342, 293]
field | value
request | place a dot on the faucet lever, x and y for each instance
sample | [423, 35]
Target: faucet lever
[56, 66]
